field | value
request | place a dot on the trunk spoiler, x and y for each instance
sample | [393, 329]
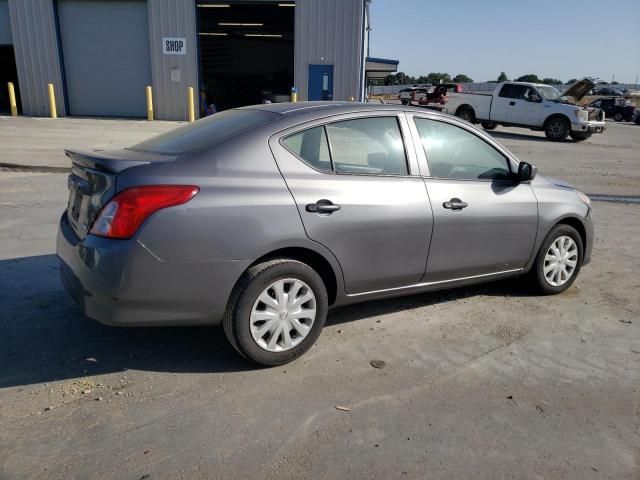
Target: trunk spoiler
[114, 161]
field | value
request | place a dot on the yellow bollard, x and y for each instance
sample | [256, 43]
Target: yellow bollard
[12, 100]
[52, 102]
[294, 94]
[149, 103]
[192, 113]
[352, 99]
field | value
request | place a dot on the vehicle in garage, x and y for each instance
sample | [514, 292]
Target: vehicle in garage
[615, 107]
[261, 218]
[531, 105]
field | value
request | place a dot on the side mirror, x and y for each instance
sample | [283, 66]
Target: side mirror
[526, 172]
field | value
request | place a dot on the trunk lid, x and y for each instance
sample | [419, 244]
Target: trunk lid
[92, 182]
[579, 89]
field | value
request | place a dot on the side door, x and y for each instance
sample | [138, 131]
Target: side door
[484, 221]
[526, 106]
[320, 82]
[359, 193]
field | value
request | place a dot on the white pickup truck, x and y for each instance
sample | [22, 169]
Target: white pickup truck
[531, 105]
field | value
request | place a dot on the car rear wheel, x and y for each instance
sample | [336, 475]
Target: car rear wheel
[558, 261]
[557, 129]
[617, 117]
[276, 312]
[489, 126]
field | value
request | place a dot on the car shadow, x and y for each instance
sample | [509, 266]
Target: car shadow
[46, 338]
[513, 287]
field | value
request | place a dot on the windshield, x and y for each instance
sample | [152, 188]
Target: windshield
[549, 92]
[206, 132]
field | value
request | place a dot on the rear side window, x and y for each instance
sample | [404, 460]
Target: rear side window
[312, 147]
[206, 132]
[368, 146]
[453, 152]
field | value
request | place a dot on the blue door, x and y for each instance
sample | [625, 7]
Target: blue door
[320, 82]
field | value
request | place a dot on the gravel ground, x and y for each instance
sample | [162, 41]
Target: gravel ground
[482, 382]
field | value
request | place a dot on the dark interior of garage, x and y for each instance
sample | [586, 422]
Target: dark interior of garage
[245, 53]
[8, 73]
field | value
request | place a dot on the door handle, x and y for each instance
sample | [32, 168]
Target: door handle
[323, 206]
[512, 103]
[455, 204]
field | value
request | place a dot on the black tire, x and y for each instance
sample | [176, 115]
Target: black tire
[618, 117]
[236, 321]
[557, 129]
[536, 275]
[579, 136]
[466, 113]
[489, 126]
[405, 102]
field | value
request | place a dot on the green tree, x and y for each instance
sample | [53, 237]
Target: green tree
[572, 80]
[502, 77]
[462, 78]
[552, 81]
[436, 78]
[530, 77]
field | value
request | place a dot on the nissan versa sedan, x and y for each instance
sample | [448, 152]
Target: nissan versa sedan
[262, 218]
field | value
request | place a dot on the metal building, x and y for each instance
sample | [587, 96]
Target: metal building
[100, 55]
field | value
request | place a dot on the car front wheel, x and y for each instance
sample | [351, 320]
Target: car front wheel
[276, 311]
[557, 129]
[558, 261]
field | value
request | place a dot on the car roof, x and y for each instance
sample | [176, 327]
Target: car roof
[311, 110]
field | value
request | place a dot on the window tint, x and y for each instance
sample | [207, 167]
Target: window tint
[311, 146]
[453, 152]
[505, 91]
[206, 132]
[368, 146]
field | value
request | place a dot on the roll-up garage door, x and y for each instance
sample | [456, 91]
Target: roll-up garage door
[105, 50]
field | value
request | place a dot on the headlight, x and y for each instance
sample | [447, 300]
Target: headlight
[584, 197]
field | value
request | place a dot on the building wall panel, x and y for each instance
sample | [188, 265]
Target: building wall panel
[330, 32]
[5, 24]
[33, 27]
[173, 18]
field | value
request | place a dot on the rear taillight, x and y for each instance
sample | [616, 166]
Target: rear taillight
[124, 213]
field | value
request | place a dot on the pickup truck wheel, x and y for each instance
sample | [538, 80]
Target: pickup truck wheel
[579, 136]
[405, 102]
[557, 129]
[617, 117]
[467, 114]
[489, 126]
[276, 312]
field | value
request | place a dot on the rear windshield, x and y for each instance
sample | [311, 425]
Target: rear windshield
[206, 132]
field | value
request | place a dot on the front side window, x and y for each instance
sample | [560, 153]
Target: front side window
[368, 146]
[455, 153]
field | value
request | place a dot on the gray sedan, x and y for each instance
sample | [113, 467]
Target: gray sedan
[262, 218]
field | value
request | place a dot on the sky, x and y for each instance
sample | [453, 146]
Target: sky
[561, 39]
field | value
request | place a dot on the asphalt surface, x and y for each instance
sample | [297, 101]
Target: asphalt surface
[486, 382]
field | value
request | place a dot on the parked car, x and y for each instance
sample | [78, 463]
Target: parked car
[262, 218]
[608, 91]
[407, 95]
[636, 116]
[531, 105]
[615, 107]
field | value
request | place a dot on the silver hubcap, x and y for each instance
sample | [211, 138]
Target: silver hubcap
[560, 261]
[283, 315]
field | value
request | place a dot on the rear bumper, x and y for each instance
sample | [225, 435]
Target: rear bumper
[121, 283]
[588, 127]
